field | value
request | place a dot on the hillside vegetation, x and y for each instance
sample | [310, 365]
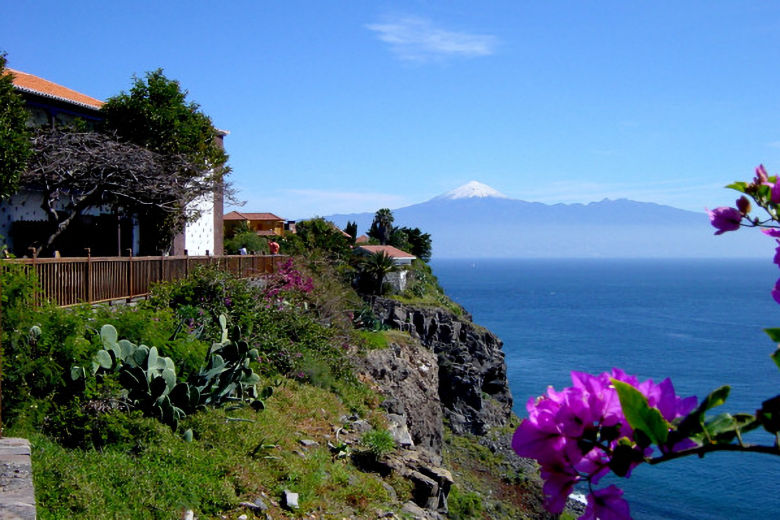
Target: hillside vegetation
[220, 396]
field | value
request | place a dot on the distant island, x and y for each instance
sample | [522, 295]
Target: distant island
[478, 221]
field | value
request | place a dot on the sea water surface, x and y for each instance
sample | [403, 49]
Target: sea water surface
[698, 322]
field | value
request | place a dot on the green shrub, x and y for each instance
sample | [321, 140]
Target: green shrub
[378, 442]
[212, 291]
[464, 506]
[248, 240]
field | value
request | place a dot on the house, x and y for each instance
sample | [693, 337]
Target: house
[23, 222]
[398, 279]
[399, 257]
[264, 224]
[362, 239]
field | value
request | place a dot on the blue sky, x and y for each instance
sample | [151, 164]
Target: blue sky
[352, 106]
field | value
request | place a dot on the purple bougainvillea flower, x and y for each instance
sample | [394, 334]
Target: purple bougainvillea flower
[743, 205]
[761, 175]
[772, 232]
[606, 504]
[558, 485]
[725, 219]
[776, 291]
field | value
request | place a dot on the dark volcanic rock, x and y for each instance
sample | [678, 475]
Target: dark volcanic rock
[409, 377]
[473, 387]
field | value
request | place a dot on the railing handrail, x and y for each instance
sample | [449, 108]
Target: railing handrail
[94, 279]
[77, 259]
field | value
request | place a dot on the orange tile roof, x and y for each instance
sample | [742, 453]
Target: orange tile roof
[235, 215]
[35, 85]
[362, 239]
[392, 252]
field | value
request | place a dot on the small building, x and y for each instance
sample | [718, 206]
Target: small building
[362, 239]
[263, 224]
[399, 257]
[399, 279]
[23, 221]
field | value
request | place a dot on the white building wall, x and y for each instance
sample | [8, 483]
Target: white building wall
[199, 235]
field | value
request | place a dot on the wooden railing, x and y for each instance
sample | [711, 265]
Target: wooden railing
[91, 279]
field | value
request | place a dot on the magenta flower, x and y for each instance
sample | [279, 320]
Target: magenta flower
[606, 504]
[743, 205]
[772, 232]
[725, 219]
[761, 175]
[572, 433]
[776, 291]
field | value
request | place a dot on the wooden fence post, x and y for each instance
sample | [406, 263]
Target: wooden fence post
[186, 263]
[89, 274]
[129, 275]
[162, 267]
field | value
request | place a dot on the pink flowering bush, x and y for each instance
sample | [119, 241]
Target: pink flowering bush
[612, 422]
[286, 282]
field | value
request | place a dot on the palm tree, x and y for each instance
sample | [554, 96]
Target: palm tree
[382, 226]
[374, 269]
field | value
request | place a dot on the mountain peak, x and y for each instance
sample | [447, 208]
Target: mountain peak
[473, 189]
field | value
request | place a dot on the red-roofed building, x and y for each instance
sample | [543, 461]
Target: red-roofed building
[22, 220]
[399, 257]
[264, 224]
[51, 104]
[362, 239]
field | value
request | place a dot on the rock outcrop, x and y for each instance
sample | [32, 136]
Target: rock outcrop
[409, 377]
[472, 383]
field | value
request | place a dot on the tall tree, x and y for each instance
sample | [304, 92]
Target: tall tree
[382, 226]
[156, 114]
[351, 229]
[419, 243]
[14, 136]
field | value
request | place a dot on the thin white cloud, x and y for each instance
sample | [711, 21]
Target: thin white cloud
[305, 203]
[419, 40]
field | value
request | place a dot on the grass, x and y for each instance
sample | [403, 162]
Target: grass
[161, 475]
[487, 487]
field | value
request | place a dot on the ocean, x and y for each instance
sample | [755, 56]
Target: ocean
[698, 322]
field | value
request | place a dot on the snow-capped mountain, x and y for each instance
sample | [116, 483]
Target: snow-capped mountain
[475, 221]
[472, 189]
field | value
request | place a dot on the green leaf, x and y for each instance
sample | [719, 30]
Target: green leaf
[126, 349]
[774, 334]
[739, 186]
[776, 357]
[151, 361]
[77, 372]
[187, 435]
[170, 378]
[640, 415]
[104, 359]
[716, 398]
[108, 335]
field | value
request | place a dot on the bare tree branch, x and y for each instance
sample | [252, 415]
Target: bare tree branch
[80, 170]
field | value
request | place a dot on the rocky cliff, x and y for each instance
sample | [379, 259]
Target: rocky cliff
[446, 369]
[472, 384]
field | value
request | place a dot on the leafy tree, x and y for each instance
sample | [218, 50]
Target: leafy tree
[351, 230]
[382, 226]
[14, 136]
[419, 243]
[248, 240]
[155, 114]
[316, 234]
